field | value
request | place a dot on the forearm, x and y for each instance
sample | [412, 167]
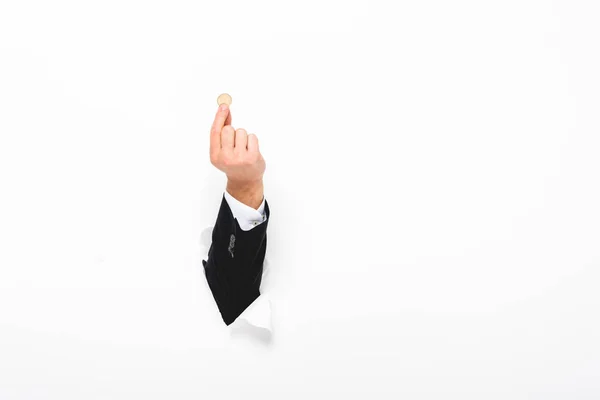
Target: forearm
[249, 193]
[235, 259]
[234, 266]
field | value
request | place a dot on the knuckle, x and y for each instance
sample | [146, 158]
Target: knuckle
[228, 161]
[252, 158]
[238, 152]
[231, 159]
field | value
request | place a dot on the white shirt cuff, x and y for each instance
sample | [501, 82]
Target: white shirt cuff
[246, 216]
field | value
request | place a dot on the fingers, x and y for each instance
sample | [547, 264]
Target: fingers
[224, 136]
[227, 137]
[221, 118]
[234, 138]
[241, 139]
[228, 120]
[252, 143]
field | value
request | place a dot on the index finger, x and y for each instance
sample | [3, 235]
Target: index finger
[222, 118]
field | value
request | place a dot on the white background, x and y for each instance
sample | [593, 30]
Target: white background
[432, 172]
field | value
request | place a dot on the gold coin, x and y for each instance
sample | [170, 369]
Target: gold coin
[224, 98]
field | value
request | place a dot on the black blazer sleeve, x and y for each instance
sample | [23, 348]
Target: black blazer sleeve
[235, 262]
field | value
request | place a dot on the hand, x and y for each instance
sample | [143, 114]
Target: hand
[235, 152]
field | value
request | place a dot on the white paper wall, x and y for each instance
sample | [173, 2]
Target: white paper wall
[432, 173]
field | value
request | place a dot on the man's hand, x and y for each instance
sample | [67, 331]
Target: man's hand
[236, 153]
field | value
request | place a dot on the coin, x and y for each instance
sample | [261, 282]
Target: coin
[224, 98]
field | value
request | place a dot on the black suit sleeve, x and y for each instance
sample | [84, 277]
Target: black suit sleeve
[235, 262]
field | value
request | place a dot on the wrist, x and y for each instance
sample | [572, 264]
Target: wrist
[250, 193]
